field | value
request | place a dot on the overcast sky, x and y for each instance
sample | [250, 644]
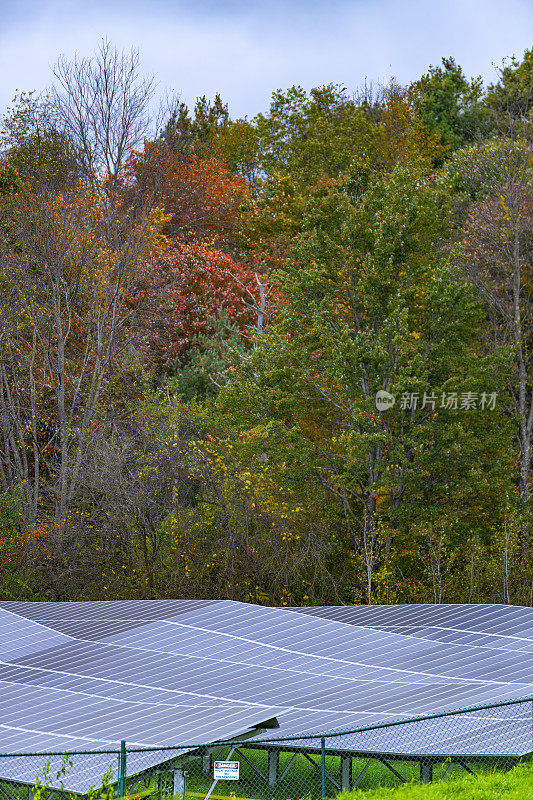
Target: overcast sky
[247, 49]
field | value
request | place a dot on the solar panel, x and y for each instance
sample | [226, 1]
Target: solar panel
[494, 626]
[162, 673]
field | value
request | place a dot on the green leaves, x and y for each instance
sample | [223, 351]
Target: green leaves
[510, 97]
[448, 103]
[313, 135]
[373, 300]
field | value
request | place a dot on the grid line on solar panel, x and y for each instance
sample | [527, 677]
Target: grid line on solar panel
[103, 610]
[144, 686]
[300, 668]
[445, 658]
[440, 614]
[185, 609]
[458, 625]
[163, 627]
[376, 694]
[85, 654]
[168, 730]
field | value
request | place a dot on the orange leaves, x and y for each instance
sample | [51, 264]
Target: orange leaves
[38, 530]
[14, 543]
[200, 196]
[9, 179]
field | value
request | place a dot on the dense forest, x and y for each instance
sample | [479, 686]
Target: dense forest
[285, 360]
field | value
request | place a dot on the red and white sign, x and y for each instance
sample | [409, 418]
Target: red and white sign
[226, 770]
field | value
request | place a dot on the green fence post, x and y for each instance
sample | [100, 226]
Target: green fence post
[323, 766]
[122, 770]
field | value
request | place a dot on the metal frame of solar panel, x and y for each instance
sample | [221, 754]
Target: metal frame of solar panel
[83, 676]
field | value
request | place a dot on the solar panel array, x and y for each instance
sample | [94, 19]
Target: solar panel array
[494, 626]
[160, 673]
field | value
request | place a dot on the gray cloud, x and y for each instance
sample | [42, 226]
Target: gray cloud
[245, 50]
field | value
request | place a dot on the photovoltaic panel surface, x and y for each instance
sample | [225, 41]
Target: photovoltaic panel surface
[161, 673]
[493, 626]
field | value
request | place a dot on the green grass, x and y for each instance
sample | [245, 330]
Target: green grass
[517, 784]
[303, 782]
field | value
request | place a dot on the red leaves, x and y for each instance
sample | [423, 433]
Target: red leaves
[179, 294]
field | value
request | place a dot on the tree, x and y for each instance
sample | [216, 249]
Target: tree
[8, 179]
[199, 196]
[34, 147]
[448, 103]
[316, 136]
[197, 134]
[102, 107]
[133, 480]
[309, 136]
[210, 133]
[65, 262]
[181, 292]
[65, 330]
[307, 142]
[511, 97]
[499, 258]
[371, 301]
[11, 533]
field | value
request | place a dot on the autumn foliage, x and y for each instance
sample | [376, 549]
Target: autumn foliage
[200, 196]
[181, 292]
[198, 319]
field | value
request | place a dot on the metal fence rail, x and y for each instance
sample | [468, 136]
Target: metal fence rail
[436, 747]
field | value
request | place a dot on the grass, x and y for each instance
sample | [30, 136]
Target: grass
[302, 781]
[517, 784]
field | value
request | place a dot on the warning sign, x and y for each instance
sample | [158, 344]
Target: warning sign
[226, 770]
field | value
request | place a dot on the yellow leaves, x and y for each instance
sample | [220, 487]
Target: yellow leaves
[503, 205]
[155, 240]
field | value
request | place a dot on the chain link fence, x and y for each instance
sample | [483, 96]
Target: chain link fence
[439, 747]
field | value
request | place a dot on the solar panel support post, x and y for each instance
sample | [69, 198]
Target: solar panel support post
[273, 767]
[323, 765]
[346, 773]
[121, 787]
[207, 762]
[426, 772]
[179, 782]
